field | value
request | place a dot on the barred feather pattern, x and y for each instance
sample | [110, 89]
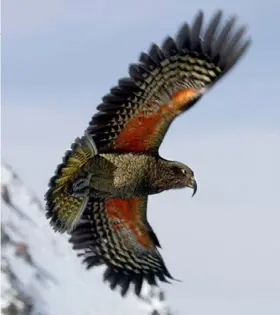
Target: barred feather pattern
[62, 208]
[134, 118]
[129, 257]
[137, 113]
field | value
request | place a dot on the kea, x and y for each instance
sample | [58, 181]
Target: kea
[99, 193]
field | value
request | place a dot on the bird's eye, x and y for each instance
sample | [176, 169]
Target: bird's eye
[184, 171]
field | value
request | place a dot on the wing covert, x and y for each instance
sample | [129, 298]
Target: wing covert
[167, 81]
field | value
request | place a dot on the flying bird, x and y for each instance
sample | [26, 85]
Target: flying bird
[99, 193]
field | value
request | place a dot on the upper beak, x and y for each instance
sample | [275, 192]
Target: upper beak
[194, 186]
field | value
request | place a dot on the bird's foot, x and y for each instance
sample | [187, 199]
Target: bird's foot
[81, 187]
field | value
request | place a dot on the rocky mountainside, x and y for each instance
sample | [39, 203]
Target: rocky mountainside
[40, 273]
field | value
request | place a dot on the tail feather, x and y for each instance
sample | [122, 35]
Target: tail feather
[63, 208]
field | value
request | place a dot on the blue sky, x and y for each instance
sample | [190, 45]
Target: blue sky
[60, 57]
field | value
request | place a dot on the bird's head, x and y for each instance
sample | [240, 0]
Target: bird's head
[182, 176]
[174, 175]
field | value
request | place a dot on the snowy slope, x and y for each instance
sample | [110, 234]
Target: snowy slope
[44, 267]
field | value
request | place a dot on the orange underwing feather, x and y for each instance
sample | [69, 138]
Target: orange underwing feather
[139, 133]
[134, 117]
[167, 81]
[179, 99]
[126, 214]
[143, 131]
[115, 232]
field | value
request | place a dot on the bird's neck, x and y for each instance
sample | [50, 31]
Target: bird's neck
[159, 176]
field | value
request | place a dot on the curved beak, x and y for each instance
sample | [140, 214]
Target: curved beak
[194, 186]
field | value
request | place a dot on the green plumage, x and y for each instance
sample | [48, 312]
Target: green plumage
[85, 174]
[99, 192]
[63, 208]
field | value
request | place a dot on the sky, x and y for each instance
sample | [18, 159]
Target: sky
[60, 57]
[62, 277]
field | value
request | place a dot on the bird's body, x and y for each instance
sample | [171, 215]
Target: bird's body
[99, 193]
[127, 175]
[122, 175]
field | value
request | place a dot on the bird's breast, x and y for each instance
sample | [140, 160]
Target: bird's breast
[129, 174]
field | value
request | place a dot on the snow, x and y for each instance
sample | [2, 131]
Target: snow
[7, 290]
[55, 279]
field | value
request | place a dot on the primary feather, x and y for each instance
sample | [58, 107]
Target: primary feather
[99, 193]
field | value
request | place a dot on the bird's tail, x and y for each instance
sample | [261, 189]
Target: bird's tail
[63, 207]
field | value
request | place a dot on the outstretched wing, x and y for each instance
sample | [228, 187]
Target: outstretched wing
[115, 232]
[166, 82]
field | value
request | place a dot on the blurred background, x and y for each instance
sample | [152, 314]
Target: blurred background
[58, 59]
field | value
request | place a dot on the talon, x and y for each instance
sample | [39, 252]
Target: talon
[81, 187]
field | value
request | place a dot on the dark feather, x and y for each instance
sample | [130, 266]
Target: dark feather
[123, 265]
[113, 99]
[156, 54]
[137, 72]
[162, 278]
[169, 47]
[83, 245]
[138, 282]
[224, 36]
[124, 283]
[102, 118]
[210, 33]
[183, 38]
[109, 272]
[148, 61]
[231, 48]
[80, 237]
[151, 279]
[233, 58]
[154, 236]
[109, 107]
[202, 58]
[114, 279]
[93, 261]
[195, 32]
[128, 83]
